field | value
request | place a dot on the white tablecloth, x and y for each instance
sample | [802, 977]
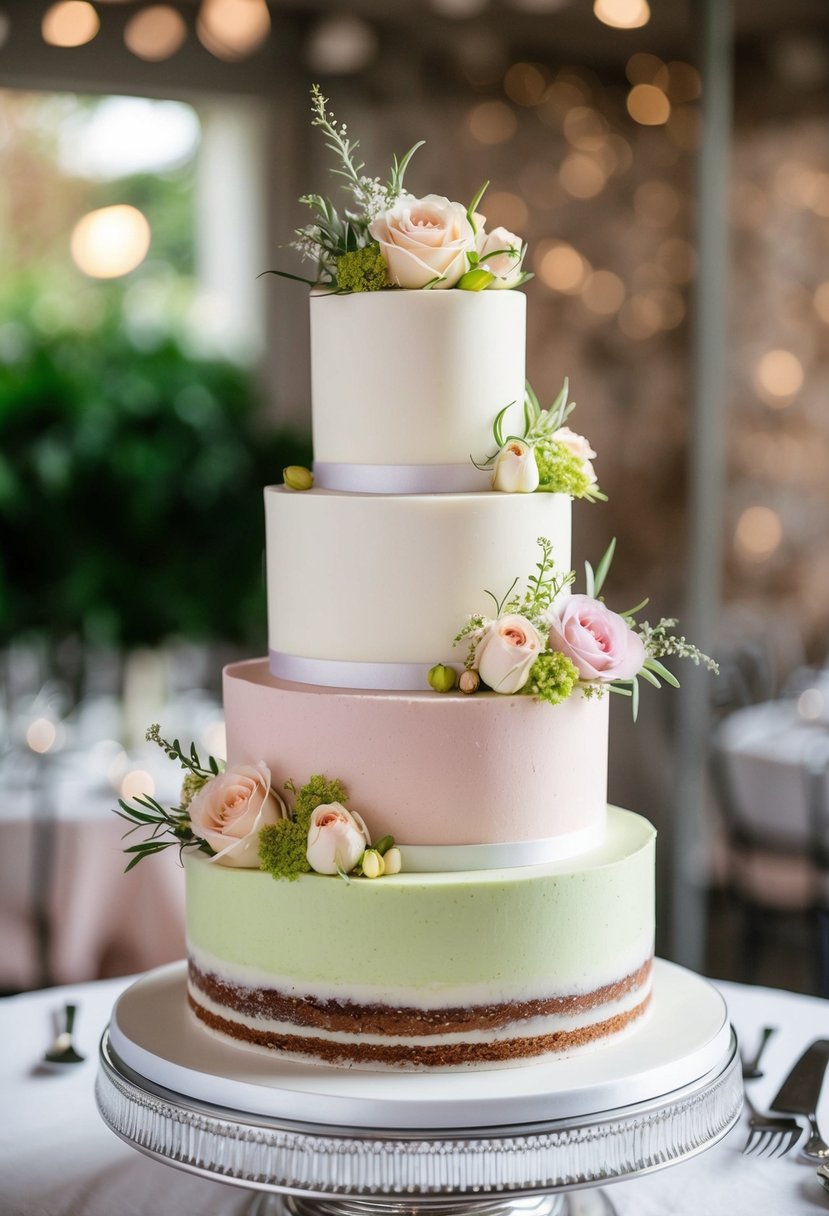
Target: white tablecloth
[57, 1158]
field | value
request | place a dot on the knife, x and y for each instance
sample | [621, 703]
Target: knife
[799, 1093]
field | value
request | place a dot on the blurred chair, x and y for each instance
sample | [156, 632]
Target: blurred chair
[771, 779]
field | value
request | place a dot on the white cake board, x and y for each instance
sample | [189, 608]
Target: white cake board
[683, 1037]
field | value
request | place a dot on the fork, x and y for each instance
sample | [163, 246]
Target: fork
[770, 1135]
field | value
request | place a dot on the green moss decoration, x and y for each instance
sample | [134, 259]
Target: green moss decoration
[552, 678]
[282, 848]
[190, 786]
[362, 270]
[559, 470]
[317, 791]
[283, 845]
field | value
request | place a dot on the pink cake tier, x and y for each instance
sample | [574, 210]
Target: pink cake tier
[465, 783]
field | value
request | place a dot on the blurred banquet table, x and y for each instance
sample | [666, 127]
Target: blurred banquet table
[67, 910]
[57, 1158]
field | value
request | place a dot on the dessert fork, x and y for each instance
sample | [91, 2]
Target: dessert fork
[63, 1050]
[770, 1135]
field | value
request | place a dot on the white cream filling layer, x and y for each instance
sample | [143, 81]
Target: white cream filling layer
[434, 997]
[521, 1028]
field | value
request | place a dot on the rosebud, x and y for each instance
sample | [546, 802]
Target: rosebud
[475, 280]
[393, 861]
[469, 682]
[296, 477]
[372, 864]
[442, 678]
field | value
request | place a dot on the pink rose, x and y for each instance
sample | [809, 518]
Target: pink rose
[506, 652]
[424, 239]
[337, 839]
[501, 252]
[579, 447]
[600, 642]
[230, 811]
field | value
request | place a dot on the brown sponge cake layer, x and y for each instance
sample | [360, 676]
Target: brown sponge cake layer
[437, 1055]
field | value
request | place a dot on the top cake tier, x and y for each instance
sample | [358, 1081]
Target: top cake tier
[406, 386]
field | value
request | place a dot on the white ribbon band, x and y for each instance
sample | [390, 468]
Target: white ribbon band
[334, 673]
[401, 478]
[431, 859]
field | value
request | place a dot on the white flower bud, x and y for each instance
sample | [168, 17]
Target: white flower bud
[373, 864]
[515, 471]
[393, 860]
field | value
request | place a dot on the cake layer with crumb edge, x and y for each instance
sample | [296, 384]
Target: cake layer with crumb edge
[427, 970]
[432, 770]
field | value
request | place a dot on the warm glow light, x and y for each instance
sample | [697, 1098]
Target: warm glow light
[562, 268]
[41, 734]
[585, 128]
[71, 23]
[643, 68]
[110, 242]
[758, 533]
[340, 44]
[458, 10]
[622, 14]
[684, 83]
[582, 176]
[137, 782]
[778, 376]
[648, 105]
[640, 317]
[656, 203]
[505, 209]
[492, 122]
[821, 301]
[525, 84]
[604, 293]
[155, 33]
[233, 29]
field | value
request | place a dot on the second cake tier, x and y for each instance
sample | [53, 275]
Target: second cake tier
[368, 591]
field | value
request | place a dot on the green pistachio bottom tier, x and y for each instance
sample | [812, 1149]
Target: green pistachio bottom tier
[474, 969]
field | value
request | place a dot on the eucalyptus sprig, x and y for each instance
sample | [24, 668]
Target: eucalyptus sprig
[542, 588]
[147, 813]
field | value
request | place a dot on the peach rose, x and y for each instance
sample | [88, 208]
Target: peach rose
[600, 642]
[508, 251]
[231, 809]
[424, 239]
[336, 839]
[506, 652]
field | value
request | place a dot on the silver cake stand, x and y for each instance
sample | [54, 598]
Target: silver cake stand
[317, 1141]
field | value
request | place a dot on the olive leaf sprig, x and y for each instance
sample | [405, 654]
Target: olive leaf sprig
[168, 826]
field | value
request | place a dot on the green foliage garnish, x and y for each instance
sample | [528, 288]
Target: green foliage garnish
[174, 823]
[362, 270]
[552, 678]
[282, 849]
[660, 641]
[543, 587]
[561, 472]
[283, 845]
[333, 235]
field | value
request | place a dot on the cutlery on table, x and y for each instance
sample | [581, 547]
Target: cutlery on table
[799, 1094]
[770, 1135]
[63, 1050]
[751, 1068]
[823, 1175]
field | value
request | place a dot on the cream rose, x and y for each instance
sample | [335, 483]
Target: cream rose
[424, 239]
[506, 652]
[501, 252]
[600, 642]
[230, 811]
[579, 447]
[515, 470]
[336, 839]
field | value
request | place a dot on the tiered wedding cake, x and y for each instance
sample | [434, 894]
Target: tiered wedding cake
[504, 911]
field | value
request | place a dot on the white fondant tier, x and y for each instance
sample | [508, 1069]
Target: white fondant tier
[437, 771]
[413, 378]
[372, 590]
[427, 969]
